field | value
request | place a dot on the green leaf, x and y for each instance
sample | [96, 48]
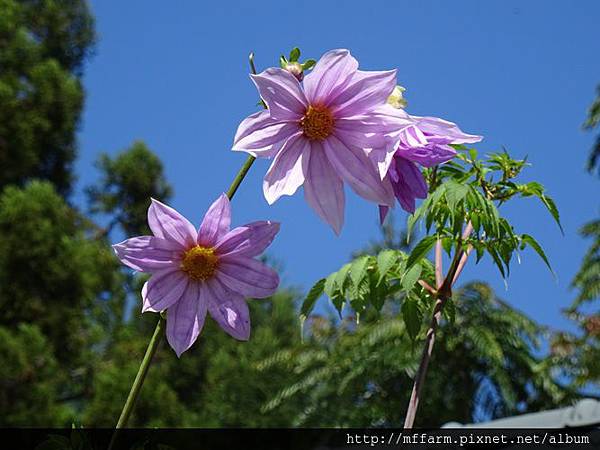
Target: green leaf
[450, 310]
[282, 62]
[358, 271]
[529, 240]
[385, 261]
[294, 54]
[455, 193]
[551, 206]
[341, 277]
[413, 317]
[313, 295]
[421, 250]
[308, 64]
[329, 287]
[497, 261]
[411, 277]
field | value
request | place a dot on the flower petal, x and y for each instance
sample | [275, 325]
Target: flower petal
[282, 93]
[216, 222]
[285, 175]
[148, 253]
[260, 135]
[352, 164]
[324, 189]
[366, 90]
[163, 289]
[185, 318]
[383, 212]
[412, 176]
[428, 156]
[166, 223]
[247, 276]
[229, 310]
[250, 240]
[330, 75]
[448, 130]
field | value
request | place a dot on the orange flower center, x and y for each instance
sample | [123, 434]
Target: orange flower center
[199, 263]
[317, 122]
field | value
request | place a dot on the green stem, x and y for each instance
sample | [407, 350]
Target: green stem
[142, 372]
[240, 176]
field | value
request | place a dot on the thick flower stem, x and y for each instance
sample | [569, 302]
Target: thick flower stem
[443, 293]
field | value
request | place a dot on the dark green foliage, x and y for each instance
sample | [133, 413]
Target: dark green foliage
[215, 383]
[51, 272]
[31, 381]
[350, 375]
[128, 181]
[43, 44]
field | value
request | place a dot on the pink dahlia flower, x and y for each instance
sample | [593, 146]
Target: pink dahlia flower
[426, 143]
[212, 269]
[319, 133]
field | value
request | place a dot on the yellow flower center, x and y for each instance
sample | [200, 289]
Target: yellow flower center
[317, 122]
[199, 263]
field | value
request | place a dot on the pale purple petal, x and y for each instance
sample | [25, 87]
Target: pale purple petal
[324, 189]
[285, 175]
[163, 289]
[250, 240]
[382, 159]
[258, 134]
[428, 156]
[229, 310]
[448, 130]
[330, 76]
[185, 318]
[216, 222]
[352, 164]
[365, 91]
[247, 276]
[166, 223]
[148, 253]
[281, 92]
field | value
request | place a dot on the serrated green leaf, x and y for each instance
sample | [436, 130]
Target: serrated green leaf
[420, 251]
[455, 193]
[385, 261]
[551, 206]
[358, 270]
[342, 275]
[538, 249]
[330, 286]
[494, 254]
[313, 295]
[411, 277]
[412, 315]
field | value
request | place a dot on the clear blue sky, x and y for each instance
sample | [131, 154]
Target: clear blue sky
[520, 73]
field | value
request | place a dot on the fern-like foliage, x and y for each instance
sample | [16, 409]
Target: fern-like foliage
[485, 359]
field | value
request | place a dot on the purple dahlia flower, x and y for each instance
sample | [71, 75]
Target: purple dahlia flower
[426, 143]
[319, 133]
[212, 269]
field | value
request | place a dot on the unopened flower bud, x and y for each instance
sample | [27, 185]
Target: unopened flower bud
[397, 100]
[295, 69]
